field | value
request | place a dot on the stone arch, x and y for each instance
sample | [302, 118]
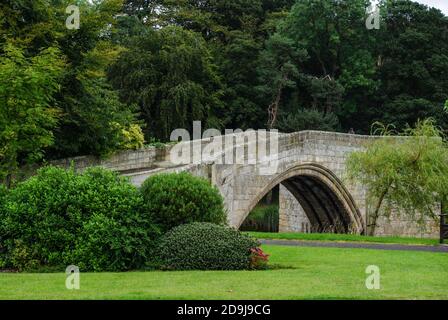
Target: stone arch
[321, 194]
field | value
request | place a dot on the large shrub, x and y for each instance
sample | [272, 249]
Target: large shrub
[174, 199]
[93, 220]
[206, 246]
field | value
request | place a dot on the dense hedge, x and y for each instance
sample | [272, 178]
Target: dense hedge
[205, 246]
[179, 198]
[58, 218]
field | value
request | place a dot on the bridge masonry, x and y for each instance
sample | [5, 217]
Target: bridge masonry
[292, 217]
[314, 192]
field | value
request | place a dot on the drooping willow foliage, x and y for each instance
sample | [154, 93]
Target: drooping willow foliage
[407, 171]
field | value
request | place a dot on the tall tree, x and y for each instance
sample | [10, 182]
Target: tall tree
[413, 59]
[340, 60]
[235, 32]
[92, 118]
[28, 113]
[170, 75]
[410, 172]
[278, 71]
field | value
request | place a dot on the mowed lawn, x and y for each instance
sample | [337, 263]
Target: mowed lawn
[312, 273]
[343, 238]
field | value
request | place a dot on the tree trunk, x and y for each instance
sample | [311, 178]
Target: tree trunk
[8, 181]
[372, 226]
[273, 107]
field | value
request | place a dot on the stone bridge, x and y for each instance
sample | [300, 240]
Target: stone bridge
[308, 166]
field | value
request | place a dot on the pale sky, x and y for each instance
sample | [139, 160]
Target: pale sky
[439, 4]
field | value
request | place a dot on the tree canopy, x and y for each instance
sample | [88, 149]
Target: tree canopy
[157, 65]
[171, 76]
[28, 113]
[407, 170]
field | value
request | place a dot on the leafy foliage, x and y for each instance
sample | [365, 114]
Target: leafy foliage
[175, 199]
[410, 172]
[235, 32]
[278, 71]
[181, 61]
[92, 108]
[413, 47]
[3, 195]
[59, 218]
[205, 246]
[28, 113]
[170, 75]
[88, 106]
[308, 120]
[240, 64]
[340, 58]
[133, 137]
[358, 74]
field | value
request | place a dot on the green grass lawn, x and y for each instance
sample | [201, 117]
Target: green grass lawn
[316, 273]
[342, 238]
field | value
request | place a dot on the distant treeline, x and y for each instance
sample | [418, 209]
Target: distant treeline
[143, 68]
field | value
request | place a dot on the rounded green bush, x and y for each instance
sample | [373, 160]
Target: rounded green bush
[93, 220]
[205, 246]
[179, 198]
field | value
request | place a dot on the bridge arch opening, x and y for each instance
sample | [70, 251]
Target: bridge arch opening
[325, 204]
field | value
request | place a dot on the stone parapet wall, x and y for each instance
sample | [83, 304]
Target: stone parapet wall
[149, 157]
[242, 185]
[120, 161]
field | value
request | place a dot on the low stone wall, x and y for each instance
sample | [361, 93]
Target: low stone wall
[404, 226]
[121, 161]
